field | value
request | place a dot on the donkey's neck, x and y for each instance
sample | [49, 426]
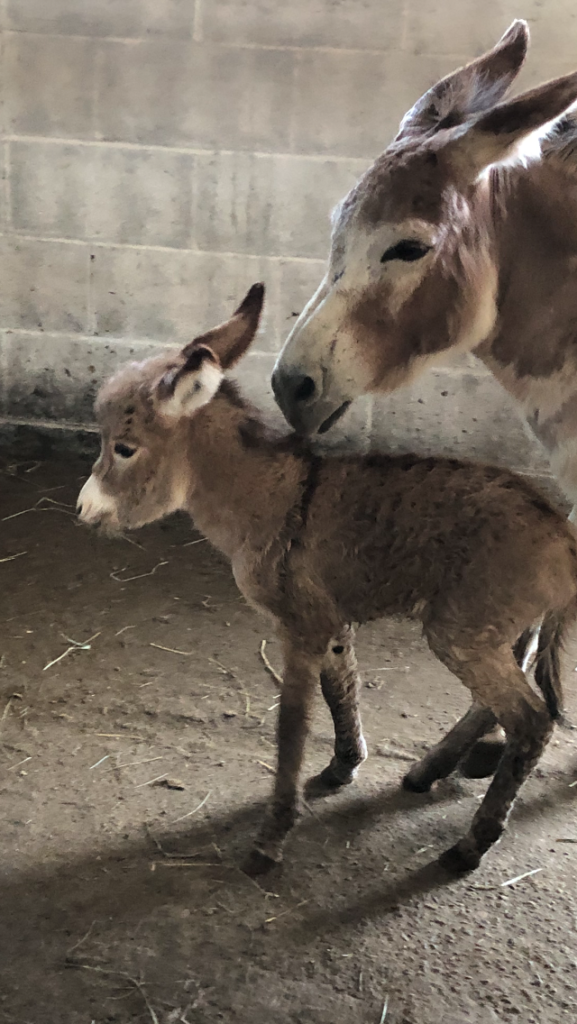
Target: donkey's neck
[244, 479]
[533, 349]
[534, 215]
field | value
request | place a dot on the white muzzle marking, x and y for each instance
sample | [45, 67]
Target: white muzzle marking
[94, 504]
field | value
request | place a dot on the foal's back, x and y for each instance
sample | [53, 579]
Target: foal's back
[405, 535]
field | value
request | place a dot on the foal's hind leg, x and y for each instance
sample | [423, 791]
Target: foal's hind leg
[443, 758]
[340, 684]
[496, 680]
[484, 756]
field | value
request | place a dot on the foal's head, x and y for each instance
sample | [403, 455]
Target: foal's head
[144, 413]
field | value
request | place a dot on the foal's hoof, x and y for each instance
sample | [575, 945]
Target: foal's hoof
[326, 782]
[414, 783]
[259, 863]
[482, 759]
[460, 858]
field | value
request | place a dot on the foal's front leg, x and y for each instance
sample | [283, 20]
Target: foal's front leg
[340, 684]
[300, 679]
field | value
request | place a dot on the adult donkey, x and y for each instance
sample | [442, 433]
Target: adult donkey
[462, 236]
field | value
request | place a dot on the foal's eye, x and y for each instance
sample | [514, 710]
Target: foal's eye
[124, 451]
[407, 250]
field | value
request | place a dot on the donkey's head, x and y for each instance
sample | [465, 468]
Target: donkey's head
[144, 413]
[411, 273]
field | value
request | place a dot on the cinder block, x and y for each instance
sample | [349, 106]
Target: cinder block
[253, 375]
[56, 376]
[456, 28]
[167, 296]
[44, 284]
[292, 285]
[351, 104]
[265, 204]
[102, 17]
[170, 92]
[48, 84]
[3, 187]
[546, 68]
[447, 412]
[101, 192]
[349, 23]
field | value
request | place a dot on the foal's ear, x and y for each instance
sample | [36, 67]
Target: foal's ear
[190, 383]
[230, 340]
[471, 89]
[494, 136]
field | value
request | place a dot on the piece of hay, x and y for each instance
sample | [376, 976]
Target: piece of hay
[75, 646]
[384, 1013]
[10, 558]
[172, 650]
[283, 913]
[140, 576]
[268, 665]
[518, 878]
[132, 764]
[190, 813]
[102, 759]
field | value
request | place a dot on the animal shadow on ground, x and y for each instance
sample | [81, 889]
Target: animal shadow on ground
[74, 916]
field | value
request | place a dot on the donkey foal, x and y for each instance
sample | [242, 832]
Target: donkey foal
[472, 551]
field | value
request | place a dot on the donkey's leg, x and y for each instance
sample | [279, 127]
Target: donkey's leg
[340, 683]
[300, 679]
[443, 758]
[484, 756]
[494, 678]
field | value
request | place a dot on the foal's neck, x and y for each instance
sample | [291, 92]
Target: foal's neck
[245, 478]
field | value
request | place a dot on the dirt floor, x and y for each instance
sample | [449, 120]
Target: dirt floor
[122, 897]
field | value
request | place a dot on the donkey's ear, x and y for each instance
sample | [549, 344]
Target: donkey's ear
[494, 136]
[230, 340]
[470, 90]
[190, 383]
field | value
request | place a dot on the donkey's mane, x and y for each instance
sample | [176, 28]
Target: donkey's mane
[561, 140]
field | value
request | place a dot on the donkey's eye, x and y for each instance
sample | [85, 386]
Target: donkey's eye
[407, 250]
[124, 451]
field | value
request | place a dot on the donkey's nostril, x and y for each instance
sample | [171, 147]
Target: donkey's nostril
[305, 389]
[296, 395]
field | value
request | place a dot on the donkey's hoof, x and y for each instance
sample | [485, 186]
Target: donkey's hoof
[259, 863]
[460, 858]
[415, 783]
[482, 759]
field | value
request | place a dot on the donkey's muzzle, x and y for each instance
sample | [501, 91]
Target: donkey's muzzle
[296, 395]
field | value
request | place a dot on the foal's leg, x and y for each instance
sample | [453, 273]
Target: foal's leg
[443, 758]
[496, 680]
[341, 683]
[484, 756]
[300, 680]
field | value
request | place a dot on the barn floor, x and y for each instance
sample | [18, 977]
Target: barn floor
[122, 898]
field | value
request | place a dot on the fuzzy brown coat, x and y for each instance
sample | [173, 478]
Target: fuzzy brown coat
[473, 552]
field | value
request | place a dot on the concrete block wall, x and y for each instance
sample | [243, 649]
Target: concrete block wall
[159, 156]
